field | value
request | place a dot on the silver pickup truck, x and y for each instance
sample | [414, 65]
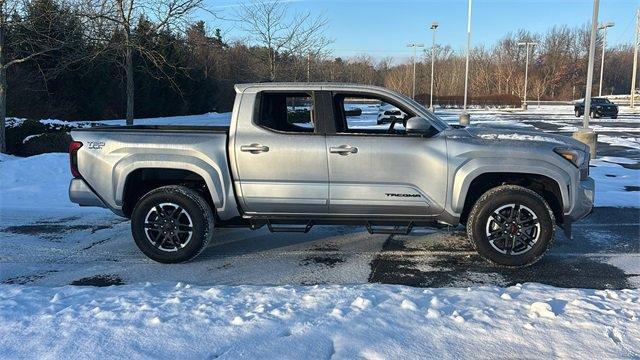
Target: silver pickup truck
[299, 155]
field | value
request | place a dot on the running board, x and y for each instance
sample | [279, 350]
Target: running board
[302, 228]
[390, 229]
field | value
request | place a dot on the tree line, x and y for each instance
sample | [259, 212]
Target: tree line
[100, 59]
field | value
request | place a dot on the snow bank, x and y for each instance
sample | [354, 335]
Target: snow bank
[40, 181]
[366, 321]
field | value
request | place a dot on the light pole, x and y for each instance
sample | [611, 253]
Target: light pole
[415, 48]
[635, 61]
[585, 134]
[434, 26]
[464, 117]
[603, 27]
[526, 70]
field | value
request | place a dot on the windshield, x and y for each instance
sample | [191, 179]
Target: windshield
[600, 101]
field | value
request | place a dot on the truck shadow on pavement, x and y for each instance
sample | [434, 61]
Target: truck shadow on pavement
[438, 260]
[472, 270]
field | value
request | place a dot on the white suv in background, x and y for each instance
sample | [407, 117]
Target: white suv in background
[387, 112]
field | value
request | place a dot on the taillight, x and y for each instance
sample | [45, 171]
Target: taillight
[73, 158]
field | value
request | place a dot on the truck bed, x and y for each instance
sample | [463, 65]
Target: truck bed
[173, 128]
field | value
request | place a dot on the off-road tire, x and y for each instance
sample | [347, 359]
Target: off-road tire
[194, 205]
[494, 199]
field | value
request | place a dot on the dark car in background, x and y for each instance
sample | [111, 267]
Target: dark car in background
[600, 107]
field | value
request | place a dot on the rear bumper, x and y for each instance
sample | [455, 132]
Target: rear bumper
[81, 194]
[583, 203]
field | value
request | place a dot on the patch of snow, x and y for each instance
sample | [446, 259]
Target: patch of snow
[520, 137]
[220, 321]
[625, 141]
[31, 137]
[618, 160]
[613, 182]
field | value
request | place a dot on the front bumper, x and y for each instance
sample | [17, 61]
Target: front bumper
[583, 203]
[81, 194]
[606, 112]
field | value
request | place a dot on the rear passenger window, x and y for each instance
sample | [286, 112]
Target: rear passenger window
[288, 112]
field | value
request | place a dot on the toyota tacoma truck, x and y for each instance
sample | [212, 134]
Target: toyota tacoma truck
[178, 184]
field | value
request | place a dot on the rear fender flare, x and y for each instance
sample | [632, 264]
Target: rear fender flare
[210, 172]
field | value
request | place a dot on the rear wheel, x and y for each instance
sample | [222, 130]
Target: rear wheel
[172, 224]
[614, 117]
[511, 226]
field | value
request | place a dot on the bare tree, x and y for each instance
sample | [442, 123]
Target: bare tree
[281, 33]
[112, 23]
[400, 79]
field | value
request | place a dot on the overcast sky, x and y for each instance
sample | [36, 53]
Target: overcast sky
[383, 28]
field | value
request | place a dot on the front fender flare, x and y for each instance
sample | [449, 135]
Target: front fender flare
[465, 174]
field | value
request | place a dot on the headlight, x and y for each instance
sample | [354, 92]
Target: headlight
[575, 156]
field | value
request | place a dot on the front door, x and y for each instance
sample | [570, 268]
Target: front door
[375, 168]
[281, 157]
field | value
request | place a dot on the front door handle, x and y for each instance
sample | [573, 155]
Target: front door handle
[343, 150]
[254, 148]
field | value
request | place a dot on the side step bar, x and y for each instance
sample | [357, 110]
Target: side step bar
[392, 230]
[304, 225]
[302, 228]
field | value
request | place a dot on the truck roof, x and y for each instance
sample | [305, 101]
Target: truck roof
[308, 86]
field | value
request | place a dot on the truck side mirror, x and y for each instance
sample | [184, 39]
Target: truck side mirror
[419, 125]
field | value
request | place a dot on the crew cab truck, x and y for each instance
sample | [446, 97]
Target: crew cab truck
[178, 184]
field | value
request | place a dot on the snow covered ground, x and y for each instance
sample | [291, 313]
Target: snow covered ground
[317, 322]
[309, 296]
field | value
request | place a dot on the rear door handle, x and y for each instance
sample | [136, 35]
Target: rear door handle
[343, 150]
[254, 148]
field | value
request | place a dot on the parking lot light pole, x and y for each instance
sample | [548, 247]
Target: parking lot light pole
[585, 134]
[415, 49]
[526, 70]
[434, 26]
[603, 27]
[465, 119]
[635, 61]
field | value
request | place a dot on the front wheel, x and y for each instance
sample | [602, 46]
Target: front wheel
[578, 113]
[511, 226]
[172, 224]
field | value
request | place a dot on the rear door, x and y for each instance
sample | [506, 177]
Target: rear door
[377, 171]
[281, 156]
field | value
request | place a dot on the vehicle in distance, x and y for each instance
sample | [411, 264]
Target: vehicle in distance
[178, 184]
[387, 113]
[600, 107]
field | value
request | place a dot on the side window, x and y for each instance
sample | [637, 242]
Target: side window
[288, 112]
[369, 115]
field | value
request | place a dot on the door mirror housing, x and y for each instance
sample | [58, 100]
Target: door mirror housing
[420, 126]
